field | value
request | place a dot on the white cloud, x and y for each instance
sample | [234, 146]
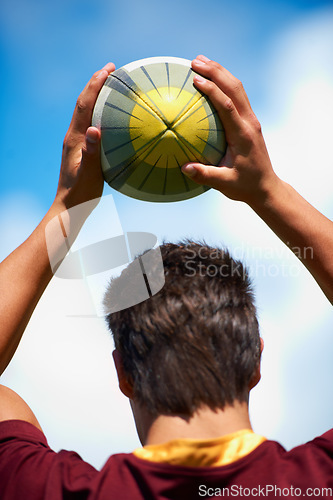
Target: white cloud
[299, 125]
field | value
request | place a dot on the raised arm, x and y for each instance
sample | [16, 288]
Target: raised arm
[246, 174]
[25, 273]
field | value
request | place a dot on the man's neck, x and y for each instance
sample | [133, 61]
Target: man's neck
[205, 424]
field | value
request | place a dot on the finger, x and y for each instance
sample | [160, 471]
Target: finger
[85, 103]
[109, 67]
[91, 153]
[93, 137]
[228, 83]
[203, 58]
[227, 111]
[91, 162]
[216, 177]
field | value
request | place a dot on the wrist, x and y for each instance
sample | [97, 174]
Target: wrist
[61, 226]
[271, 190]
[67, 201]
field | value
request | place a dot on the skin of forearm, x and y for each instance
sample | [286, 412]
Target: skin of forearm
[307, 232]
[24, 276]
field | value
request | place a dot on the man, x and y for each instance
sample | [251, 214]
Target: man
[197, 443]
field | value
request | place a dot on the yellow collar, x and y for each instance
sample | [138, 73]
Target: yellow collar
[203, 452]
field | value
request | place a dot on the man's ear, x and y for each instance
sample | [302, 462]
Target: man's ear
[124, 385]
[257, 375]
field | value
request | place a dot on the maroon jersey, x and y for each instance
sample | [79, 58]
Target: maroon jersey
[30, 470]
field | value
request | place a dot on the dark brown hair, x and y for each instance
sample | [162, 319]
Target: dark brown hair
[196, 342]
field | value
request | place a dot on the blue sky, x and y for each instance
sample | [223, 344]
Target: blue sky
[50, 51]
[282, 51]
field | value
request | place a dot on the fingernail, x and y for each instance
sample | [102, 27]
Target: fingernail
[204, 58]
[91, 139]
[102, 74]
[108, 67]
[199, 62]
[189, 170]
[199, 79]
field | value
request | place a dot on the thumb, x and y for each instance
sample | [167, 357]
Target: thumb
[90, 172]
[92, 145]
[212, 176]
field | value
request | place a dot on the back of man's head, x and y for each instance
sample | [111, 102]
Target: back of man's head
[196, 342]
